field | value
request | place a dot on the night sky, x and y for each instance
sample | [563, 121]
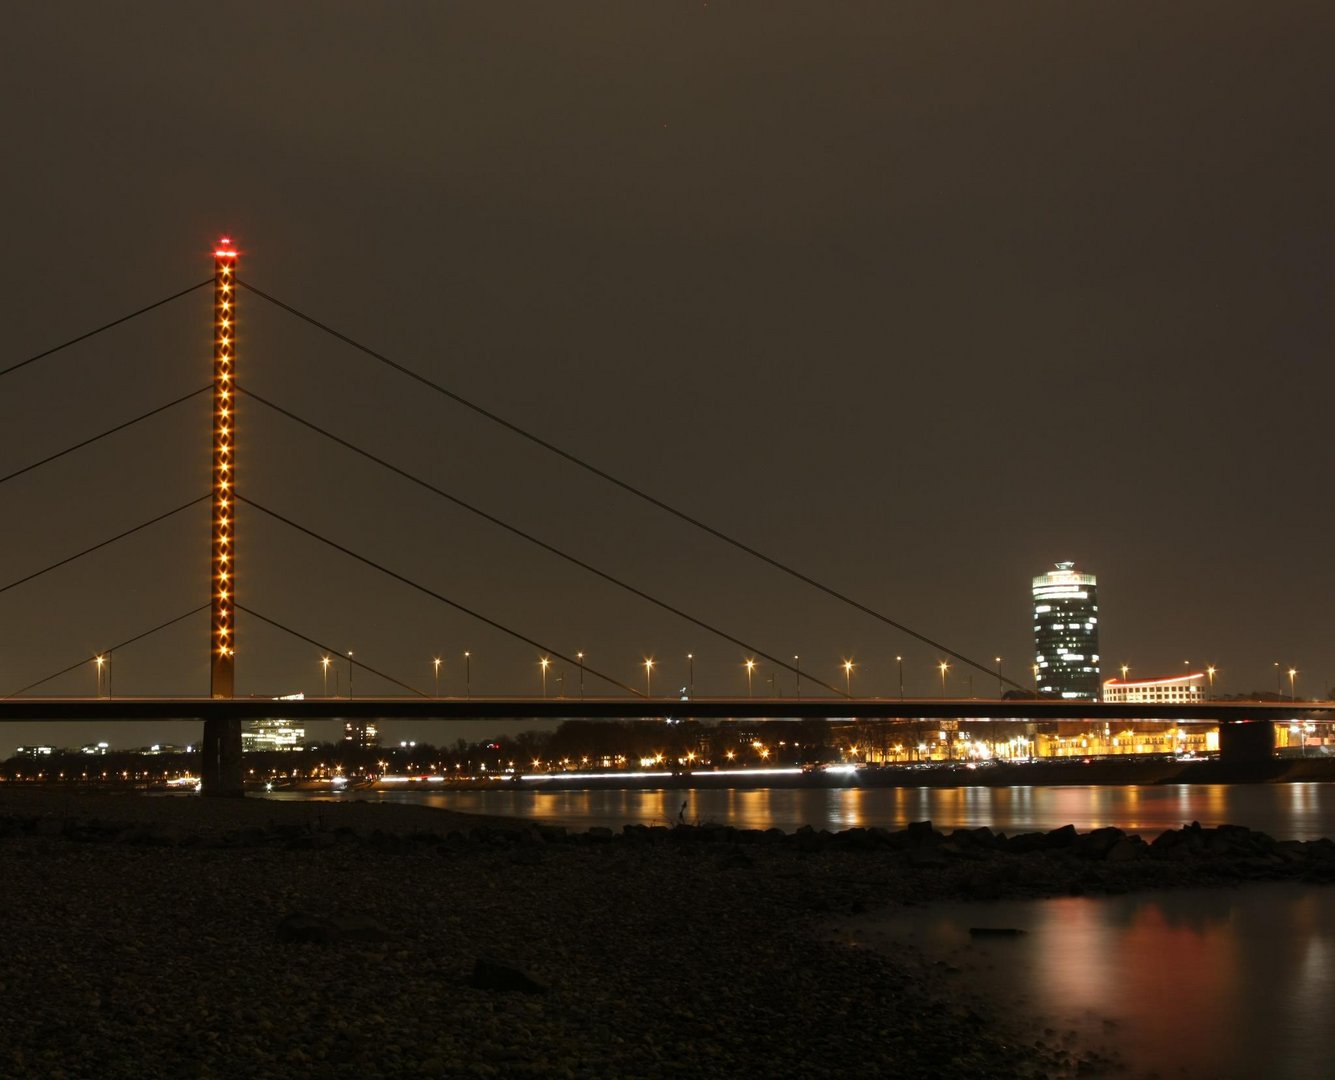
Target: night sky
[918, 298]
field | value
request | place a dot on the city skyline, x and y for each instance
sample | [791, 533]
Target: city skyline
[861, 362]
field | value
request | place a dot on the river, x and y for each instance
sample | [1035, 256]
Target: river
[1192, 983]
[1285, 811]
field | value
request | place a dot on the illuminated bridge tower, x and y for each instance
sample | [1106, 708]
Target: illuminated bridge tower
[222, 670]
[220, 751]
[1066, 633]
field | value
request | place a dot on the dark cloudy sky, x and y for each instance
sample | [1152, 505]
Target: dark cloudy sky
[920, 298]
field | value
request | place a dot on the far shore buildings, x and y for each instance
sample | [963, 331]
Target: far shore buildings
[1066, 633]
[271, 735]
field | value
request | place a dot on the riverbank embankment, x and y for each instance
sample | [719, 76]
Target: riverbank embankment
[171, 936]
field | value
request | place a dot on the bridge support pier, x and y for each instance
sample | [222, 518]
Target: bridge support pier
[220, 758]
[1246, 741]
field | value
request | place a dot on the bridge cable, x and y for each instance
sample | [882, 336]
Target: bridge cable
[627, 486]
[109, 431]
[115, 322]
[535, 540]
[328, 649]
[106, 652]
[104, 543]
[437, 596]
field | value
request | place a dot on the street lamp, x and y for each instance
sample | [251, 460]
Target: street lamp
[848, 678]
[900, 661]
[1292, 695]
[349, 674]
[468, 675]
[1209, 674]
[1279, 695]
[98, 661]
[1001, 690]
[544, 663]
[690, 666]
[580, 657]
[435, 663]
[797, 665]
[1036, 677]
[750, 667]
[1125, 669]
[944, 668]
[324, 665]
[648, 677]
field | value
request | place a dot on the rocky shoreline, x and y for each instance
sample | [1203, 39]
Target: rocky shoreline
[180, 936]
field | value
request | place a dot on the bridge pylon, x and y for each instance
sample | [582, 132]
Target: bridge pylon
[220, 773]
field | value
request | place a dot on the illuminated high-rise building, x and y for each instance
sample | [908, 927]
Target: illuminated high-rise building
[1066, 633]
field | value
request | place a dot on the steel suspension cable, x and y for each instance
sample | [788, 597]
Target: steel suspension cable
[515, 530]
[434, 595]
[112, 649]
[329, 649]
[109, 431]
[626, 485]
[104, 543]
[115, 322]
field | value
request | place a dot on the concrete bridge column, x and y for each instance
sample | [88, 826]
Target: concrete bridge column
[220, 757]
[1246, 740]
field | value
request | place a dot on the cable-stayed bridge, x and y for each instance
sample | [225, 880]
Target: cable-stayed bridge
[230, 497]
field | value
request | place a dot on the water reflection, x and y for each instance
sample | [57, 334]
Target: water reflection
[1226, 983]
[1285, 811]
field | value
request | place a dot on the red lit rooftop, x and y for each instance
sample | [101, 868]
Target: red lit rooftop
[1168, 680]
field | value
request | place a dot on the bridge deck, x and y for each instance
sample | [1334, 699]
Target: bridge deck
[486, 708]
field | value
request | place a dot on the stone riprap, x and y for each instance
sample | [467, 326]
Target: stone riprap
[154, 937]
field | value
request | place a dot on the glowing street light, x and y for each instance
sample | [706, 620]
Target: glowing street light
[1279, 694]
[1001, 690]
[98, 661]
[324, 667]
[848, 678]
[544, 663]
[1293, 696]
[944, 668]
[899, 660]
[690, 672]
[750, 668]
[1035, 676]
[580, 657]
[648, 677]
[1125, 669]
[1209, 674]
[468, 675]
[435, 664]
[350, 674]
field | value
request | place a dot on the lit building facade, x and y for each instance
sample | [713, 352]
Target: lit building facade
[1066, 633]
[1175, 690]
[361, 733]
[271, 735]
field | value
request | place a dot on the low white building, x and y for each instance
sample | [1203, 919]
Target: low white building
[1186, 689]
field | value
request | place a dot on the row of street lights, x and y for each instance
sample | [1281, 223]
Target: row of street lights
[545, 663]
[102, 664]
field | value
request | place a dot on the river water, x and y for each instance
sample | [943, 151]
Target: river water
[1193, 983]
[1285, 811]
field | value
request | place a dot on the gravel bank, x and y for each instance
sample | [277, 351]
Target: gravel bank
[179, 936]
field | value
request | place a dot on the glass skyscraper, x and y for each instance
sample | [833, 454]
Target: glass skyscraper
[1066, 633]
